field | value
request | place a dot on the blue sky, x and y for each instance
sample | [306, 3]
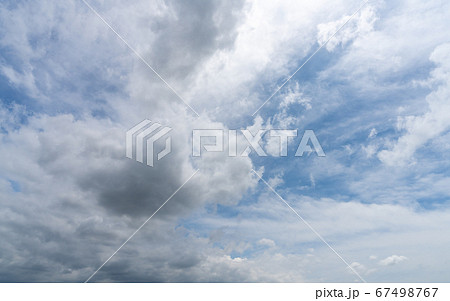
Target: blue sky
[376, 96]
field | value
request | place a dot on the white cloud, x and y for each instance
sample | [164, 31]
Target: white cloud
[80, 198]
[272, 38]
[421, 129]
[373, 133]
[390, 50]
[358, 267]
[355, 230]
[392, 260]
[370, 150]
[293, 95]
[359, 25]
[266, 242]
[276, 181]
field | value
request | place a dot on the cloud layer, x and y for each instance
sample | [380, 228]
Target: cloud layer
[376, 97]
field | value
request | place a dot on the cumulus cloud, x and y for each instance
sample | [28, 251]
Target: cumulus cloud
[72, 89]
[266, 242]
[70, 165]
[421, 129]
[392, 260]
[268, 46]
[361, 24]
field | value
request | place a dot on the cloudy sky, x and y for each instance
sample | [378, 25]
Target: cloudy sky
[377, 96]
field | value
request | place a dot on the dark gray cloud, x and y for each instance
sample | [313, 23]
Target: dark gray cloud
[80, 198]
[195, 30]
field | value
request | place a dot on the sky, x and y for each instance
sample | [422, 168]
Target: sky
[376, 96]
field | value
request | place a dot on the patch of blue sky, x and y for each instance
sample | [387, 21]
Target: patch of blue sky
[15, 185]
[343, 115]
[10, 94]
